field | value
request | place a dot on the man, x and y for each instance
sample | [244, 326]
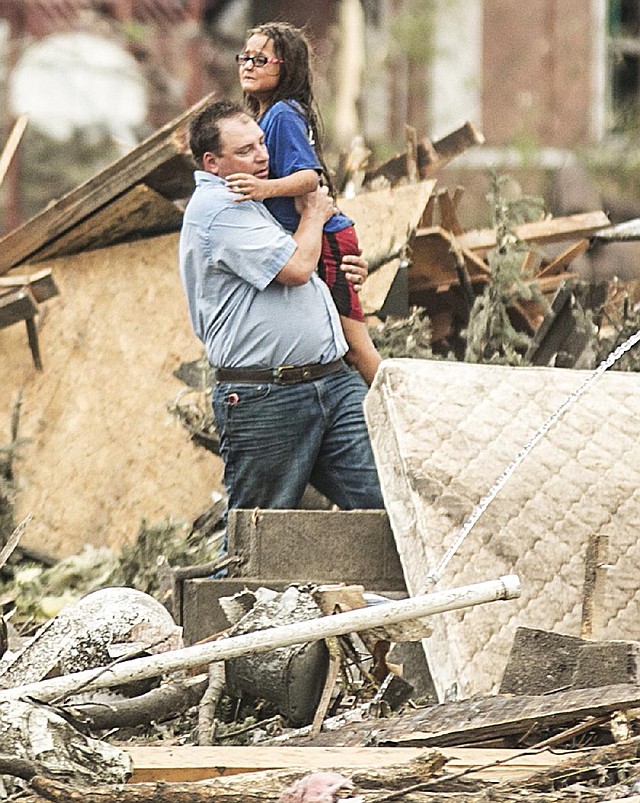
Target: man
[288, 409]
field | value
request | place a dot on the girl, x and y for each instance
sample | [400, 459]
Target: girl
[275, 76]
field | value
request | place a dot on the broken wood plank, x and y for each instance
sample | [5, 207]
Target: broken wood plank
[434, 261]
[386, 219]
[258, 787]
[491, 717]
[140, 212]
[17, 305]
[11, 145]
[507, 587]
[563, 260]
[542, 231]
[448, 205]
[430, 156]
[194, 763]
[41, 284]
[160, 148]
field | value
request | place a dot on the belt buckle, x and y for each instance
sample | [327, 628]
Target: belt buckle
[291, 374]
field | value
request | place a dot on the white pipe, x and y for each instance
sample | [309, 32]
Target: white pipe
[507, 587]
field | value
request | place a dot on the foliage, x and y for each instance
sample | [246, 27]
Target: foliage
[412, 29]
[628, 326]
[490, 335]
[404, 337]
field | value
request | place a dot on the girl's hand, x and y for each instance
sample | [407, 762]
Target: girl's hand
[356, 269]
[248, 187]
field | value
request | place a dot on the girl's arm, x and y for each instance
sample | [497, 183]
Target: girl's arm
[250, 188]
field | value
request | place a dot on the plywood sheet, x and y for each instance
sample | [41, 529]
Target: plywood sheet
[386, 218]
[100, 449]
[443, 433]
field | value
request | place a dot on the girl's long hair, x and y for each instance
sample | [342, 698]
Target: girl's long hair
[296, 80]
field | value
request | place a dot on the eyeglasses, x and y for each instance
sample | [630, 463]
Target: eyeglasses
[257, 61]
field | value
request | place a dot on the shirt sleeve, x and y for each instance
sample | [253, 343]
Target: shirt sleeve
[247, 241]
[287, 139]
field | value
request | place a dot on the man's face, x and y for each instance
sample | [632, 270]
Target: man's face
[242, 149]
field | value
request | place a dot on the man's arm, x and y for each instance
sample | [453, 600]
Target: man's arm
[315, 209]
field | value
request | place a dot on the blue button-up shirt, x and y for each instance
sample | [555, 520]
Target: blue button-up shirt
[230, 253]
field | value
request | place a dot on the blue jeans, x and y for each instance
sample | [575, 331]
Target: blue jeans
[274, 439]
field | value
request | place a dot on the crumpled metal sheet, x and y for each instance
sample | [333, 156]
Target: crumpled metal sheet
[443, 433]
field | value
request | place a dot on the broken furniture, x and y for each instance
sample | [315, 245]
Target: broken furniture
[20, 299]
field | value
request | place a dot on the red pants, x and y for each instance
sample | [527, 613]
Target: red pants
[334, 246]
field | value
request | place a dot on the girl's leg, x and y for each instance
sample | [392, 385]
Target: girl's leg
[362, 354]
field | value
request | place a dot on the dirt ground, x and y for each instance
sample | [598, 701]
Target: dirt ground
[102, 451]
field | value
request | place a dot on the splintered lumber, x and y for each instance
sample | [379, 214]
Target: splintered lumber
[194, 763]
[429, 156]
[542, 231]
[436, 258]
[505, 588]
[386, 219]
[256, 787]
[41, 284]
[12, 145]
[491, 717]
[161, 148]
[19, 305]
[140, 212]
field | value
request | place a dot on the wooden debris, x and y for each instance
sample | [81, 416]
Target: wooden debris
[257, 787]
[39, 734]
[193, 763]
[491, 717]
[544, 231]
[429, 156]
[11, 144]
[161, 162]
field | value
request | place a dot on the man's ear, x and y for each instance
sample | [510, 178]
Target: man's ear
[210, 162]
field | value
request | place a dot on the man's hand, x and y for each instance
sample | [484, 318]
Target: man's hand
[356, 269]
[248, 187]
[318, 203]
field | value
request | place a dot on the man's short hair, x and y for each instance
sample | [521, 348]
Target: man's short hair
[204, 129]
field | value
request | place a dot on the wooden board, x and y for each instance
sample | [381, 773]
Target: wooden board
[386, 219]
[376, 289]
[192, 763]
[491, 717]
[16, 305]
[433, 261]
[543, 231]
[140, 212]
[41, 284]
[162, 147]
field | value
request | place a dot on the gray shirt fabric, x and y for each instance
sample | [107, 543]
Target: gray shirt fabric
[230, 253]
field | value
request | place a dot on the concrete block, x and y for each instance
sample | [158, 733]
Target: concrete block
[540, 662]
[603, 663]
[321, 546]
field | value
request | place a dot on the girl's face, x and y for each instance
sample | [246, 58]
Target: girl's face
[261, 82]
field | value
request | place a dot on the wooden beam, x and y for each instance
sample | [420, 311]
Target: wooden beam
[500, 715]
[41, 284]
[17, 305]
[193, 763]
[543, 231]
[430, 156]
[11, 145]
[160, 148]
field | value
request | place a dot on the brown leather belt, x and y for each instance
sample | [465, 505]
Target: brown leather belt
[282, 375]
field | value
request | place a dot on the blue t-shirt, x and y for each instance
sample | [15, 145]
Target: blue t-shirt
[289, 140]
